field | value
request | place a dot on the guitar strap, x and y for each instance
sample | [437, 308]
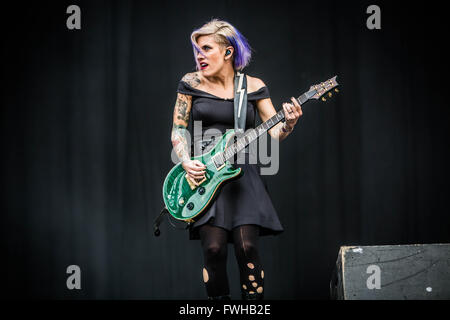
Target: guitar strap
[240, 103]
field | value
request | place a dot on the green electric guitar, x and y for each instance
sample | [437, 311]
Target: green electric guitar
[186, 201]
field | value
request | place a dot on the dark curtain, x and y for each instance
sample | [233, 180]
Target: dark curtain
[86, 121]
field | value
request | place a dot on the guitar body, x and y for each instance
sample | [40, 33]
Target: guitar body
[187, 202]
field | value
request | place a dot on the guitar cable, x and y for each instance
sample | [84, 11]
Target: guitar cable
[160, 218]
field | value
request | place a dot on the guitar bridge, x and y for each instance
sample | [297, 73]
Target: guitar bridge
[191, 183]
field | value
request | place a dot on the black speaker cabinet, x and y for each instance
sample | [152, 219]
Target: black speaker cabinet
[397, 272]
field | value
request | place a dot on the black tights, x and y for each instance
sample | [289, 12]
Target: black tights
[214, 243]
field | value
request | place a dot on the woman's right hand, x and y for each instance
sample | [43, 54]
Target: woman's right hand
[195, 170]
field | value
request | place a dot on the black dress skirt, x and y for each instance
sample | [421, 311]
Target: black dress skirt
[242, 201]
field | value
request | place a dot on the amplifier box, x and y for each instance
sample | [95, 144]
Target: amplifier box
[393, 272]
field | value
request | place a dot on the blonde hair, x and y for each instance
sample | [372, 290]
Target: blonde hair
[226, 35]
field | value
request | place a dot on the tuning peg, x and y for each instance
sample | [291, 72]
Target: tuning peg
[323, 99]
[336, 90]
[330, 94]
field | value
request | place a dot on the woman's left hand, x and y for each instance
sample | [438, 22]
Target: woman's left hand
[292, 111]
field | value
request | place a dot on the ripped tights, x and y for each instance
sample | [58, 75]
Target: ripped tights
[214, 244]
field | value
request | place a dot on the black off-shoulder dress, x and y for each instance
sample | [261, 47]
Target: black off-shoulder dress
[242, 201]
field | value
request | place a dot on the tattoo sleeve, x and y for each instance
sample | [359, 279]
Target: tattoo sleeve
[179, 129]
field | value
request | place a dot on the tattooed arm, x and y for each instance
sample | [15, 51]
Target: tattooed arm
[181, 118]
[194, 168]
[179, 127]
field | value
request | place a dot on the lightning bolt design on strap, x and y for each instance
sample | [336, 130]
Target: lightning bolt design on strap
[241, 92]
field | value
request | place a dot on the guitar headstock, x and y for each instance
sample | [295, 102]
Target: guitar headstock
[318, 90]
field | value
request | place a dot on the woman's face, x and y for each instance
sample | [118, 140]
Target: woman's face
[213, 57]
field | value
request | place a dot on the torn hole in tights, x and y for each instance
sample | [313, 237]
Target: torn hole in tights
[205, 275]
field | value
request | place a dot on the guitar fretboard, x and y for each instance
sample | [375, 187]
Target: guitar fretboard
[252, 135]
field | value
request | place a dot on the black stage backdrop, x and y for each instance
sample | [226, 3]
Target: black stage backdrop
[86, 122]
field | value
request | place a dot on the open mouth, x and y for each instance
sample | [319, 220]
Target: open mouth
[203, 65]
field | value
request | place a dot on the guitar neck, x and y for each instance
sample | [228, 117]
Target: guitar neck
[252, 135]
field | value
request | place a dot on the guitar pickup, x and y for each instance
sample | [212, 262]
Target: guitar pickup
[191, 182]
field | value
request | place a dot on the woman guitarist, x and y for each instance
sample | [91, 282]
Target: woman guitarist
[243, 210]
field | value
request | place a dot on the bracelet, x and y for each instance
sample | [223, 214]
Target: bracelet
[285, 130]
